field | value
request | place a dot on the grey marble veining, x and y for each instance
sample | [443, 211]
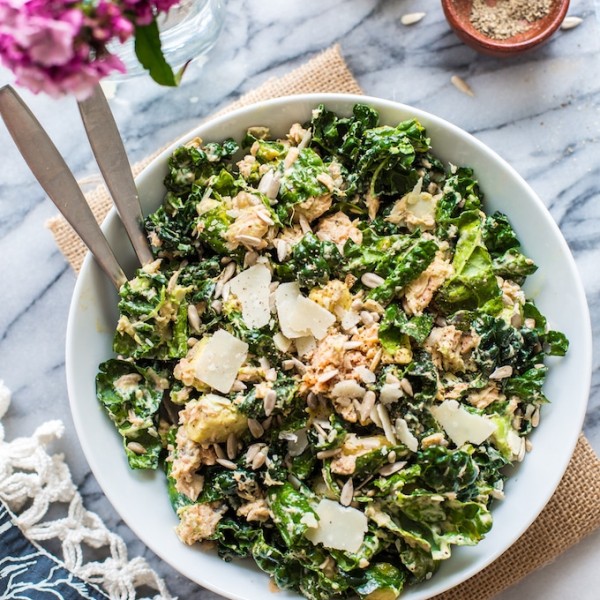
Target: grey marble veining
[541, 112]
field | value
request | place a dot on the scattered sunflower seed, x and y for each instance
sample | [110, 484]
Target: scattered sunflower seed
[136, 447]
[393, 468]
[269, 402]
[347, 493]
[461, 85]
[371, 280]
[412, 18]
[232, 446]
[261, 457]
[256, 429]
[227, 464]
[571, 23]
[328, 453]
[327, 375]
[502, 372]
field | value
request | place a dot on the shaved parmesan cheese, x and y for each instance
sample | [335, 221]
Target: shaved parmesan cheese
[220, 361]
[348, 388]
[339, 527]
[461, 425]
[252, 289]
[305, 344]
[389, 393]
[405, 435]
[309, 315]
[299, 316]
[349, 319]
[286, 296]
[281, 342]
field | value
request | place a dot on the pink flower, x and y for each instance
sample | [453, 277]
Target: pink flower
[50, 41]
[60, 46]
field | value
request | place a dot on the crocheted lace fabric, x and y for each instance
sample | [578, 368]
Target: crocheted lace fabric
[31, 482]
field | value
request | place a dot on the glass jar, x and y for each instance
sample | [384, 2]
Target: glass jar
[188, 31]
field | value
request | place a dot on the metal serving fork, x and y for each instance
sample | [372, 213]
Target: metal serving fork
[58, 181]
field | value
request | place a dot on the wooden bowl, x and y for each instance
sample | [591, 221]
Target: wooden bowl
[458, 15]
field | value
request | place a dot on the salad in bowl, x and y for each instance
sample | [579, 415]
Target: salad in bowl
[334, 362]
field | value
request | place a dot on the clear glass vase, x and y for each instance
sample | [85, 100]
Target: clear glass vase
[187, 32]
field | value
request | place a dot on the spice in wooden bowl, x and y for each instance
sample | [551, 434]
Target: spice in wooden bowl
[505, 27]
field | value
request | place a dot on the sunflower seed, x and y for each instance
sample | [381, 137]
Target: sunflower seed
[371, 280]
[461, 85]
[269, 184]
[502, 372]
[250, 258]
[391, 457]
[256, 429]
[376, 360]
[411, 18]
[227, 464]
[193, 317]
[228, 272]
[352, 345]
[265, 218]
[305, 140]
[217, 306]
[238, 386]
[304, 224]
[282, 249]
[393, 468]
[252, 451]
[219, 451]
[386, 424]
[406, 387]
[232, 446]
[261, 457]
[571, 23]
[290, 157]
[248, 240]
[366, 406]
[269, 402]
[271, 374]
[136, 448]
[535, 418]
[327, 375]
[366, 318]
[328, 453]
[347, 493]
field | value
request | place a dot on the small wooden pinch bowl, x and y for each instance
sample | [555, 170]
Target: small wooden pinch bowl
[458, 15]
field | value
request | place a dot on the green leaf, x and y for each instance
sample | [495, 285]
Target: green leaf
[149, 52]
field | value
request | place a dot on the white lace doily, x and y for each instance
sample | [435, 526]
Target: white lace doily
[31, 481]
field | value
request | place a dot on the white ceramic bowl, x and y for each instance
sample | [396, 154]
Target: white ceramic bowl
[141, 498]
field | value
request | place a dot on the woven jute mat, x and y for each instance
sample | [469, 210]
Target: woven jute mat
[574, 510]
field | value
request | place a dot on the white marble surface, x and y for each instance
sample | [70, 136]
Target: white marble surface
[541, 112]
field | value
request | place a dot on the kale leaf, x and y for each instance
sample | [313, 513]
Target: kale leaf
[131, 395]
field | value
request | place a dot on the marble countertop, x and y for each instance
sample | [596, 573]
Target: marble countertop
[541, 112]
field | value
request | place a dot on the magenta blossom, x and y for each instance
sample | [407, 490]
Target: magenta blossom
[61, 46]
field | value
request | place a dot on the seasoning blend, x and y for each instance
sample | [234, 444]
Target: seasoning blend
[507, 18]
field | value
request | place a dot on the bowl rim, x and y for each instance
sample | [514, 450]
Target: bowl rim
[90, 452]
[489, 45]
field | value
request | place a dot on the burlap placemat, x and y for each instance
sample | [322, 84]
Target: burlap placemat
[573, 511]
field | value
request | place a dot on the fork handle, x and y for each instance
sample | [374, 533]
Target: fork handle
[55, 177]
[112, 160]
